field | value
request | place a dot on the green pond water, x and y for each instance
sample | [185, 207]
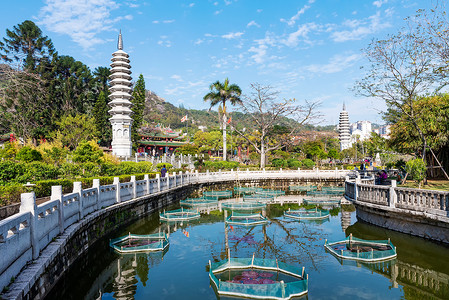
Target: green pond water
[421, 270]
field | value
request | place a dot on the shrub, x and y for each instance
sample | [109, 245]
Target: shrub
[10, 170]
[308, 163]
[37, 171]
[87, 152]
[167, 166]
[417, 170]
[294, 163]
[221, 165]
[279, 163]
[28, 154]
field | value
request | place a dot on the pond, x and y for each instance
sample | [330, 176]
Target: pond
[420, 271]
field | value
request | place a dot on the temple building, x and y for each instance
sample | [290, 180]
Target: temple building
[343, 130]
[159, 140]
[120, 88]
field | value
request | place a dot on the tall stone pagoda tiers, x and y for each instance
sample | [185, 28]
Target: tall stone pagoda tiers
[120, 96]
[343, 129]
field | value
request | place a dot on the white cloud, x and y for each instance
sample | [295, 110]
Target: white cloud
[217, 12]
[252, 23]
[199, 41]
[176, 77]
[259, 10]
[379, 3]
[163, 21]
[192, 4]
[215, 3]
[164, 41]
[293, 38]
[227, 2]
[293, 19]
[360, 28]
[81, 20]
[336, 64]
[260, 53]
[232, 35]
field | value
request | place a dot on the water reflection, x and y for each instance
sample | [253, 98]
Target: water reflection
[421, 270]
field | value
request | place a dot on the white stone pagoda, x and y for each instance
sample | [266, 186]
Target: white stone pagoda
[120, 96]
[343, 129]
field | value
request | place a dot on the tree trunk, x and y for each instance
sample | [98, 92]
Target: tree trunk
[224, 137]
[262, 154]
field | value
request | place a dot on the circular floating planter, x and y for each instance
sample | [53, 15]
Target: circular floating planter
[198, 202]
[309, 214]
[218, 194]
[243, 206]
[362, 250]
[246, 190]
[302, 188]
[246, 219]
[322, 200]
[140, 243]
[258, 198]
[258, 278]
[325, 193]
[273, 193]
[179, 215]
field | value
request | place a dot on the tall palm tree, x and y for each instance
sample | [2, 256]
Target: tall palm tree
[220, 93]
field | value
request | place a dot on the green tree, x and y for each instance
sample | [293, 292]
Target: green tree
[220, 93]
[25, 45]
[417, 170]
[74, 129]
[101, 79]
[28, 154]
[138, 101]
[87, 152]
[101, 116]
[264, 111]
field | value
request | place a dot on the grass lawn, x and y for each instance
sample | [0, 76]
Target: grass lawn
[440, 185]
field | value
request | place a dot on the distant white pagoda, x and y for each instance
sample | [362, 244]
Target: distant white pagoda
[120, 81]
[343, 129]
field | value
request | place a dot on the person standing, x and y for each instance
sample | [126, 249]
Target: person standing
[163, 171]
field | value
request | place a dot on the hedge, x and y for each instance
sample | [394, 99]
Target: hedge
[11, 193]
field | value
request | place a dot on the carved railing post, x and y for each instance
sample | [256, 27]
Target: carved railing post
[117, 189]
[28, 204]
[78, 188]
[56, 194]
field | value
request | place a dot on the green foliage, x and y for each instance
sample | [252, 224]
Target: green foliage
[10, 170]
[8, 151]
[87, 152]
[28, 154]
[36, 170]
[186, 149]
[308, 163]
[279, 163]
[138, 107]
[167, 166]
[221, 165]
[417, 170]
[333, 153]
[101, 116]
[73, 130]
[294, 163]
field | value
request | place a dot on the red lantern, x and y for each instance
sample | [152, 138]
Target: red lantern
[160, 148]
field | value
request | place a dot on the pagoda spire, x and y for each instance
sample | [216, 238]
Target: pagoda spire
[120, 101]
[120, 41]
[344, 106]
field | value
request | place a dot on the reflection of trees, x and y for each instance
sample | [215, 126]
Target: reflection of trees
[292, 244]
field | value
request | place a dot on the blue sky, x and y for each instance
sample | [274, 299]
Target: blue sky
[305, 49]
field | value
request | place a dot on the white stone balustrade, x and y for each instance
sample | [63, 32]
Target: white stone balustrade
[416, 200]
[24, 235]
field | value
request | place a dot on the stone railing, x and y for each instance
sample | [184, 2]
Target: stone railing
[24, 235]
[416, 200]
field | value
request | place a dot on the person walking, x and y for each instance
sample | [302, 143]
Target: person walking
[163, 171]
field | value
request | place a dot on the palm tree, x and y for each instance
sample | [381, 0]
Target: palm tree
[220, 93]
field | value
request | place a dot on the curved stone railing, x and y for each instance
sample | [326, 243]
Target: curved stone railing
[418, 212]
[24, 235]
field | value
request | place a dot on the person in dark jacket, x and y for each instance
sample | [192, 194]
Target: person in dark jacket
[163, 171]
